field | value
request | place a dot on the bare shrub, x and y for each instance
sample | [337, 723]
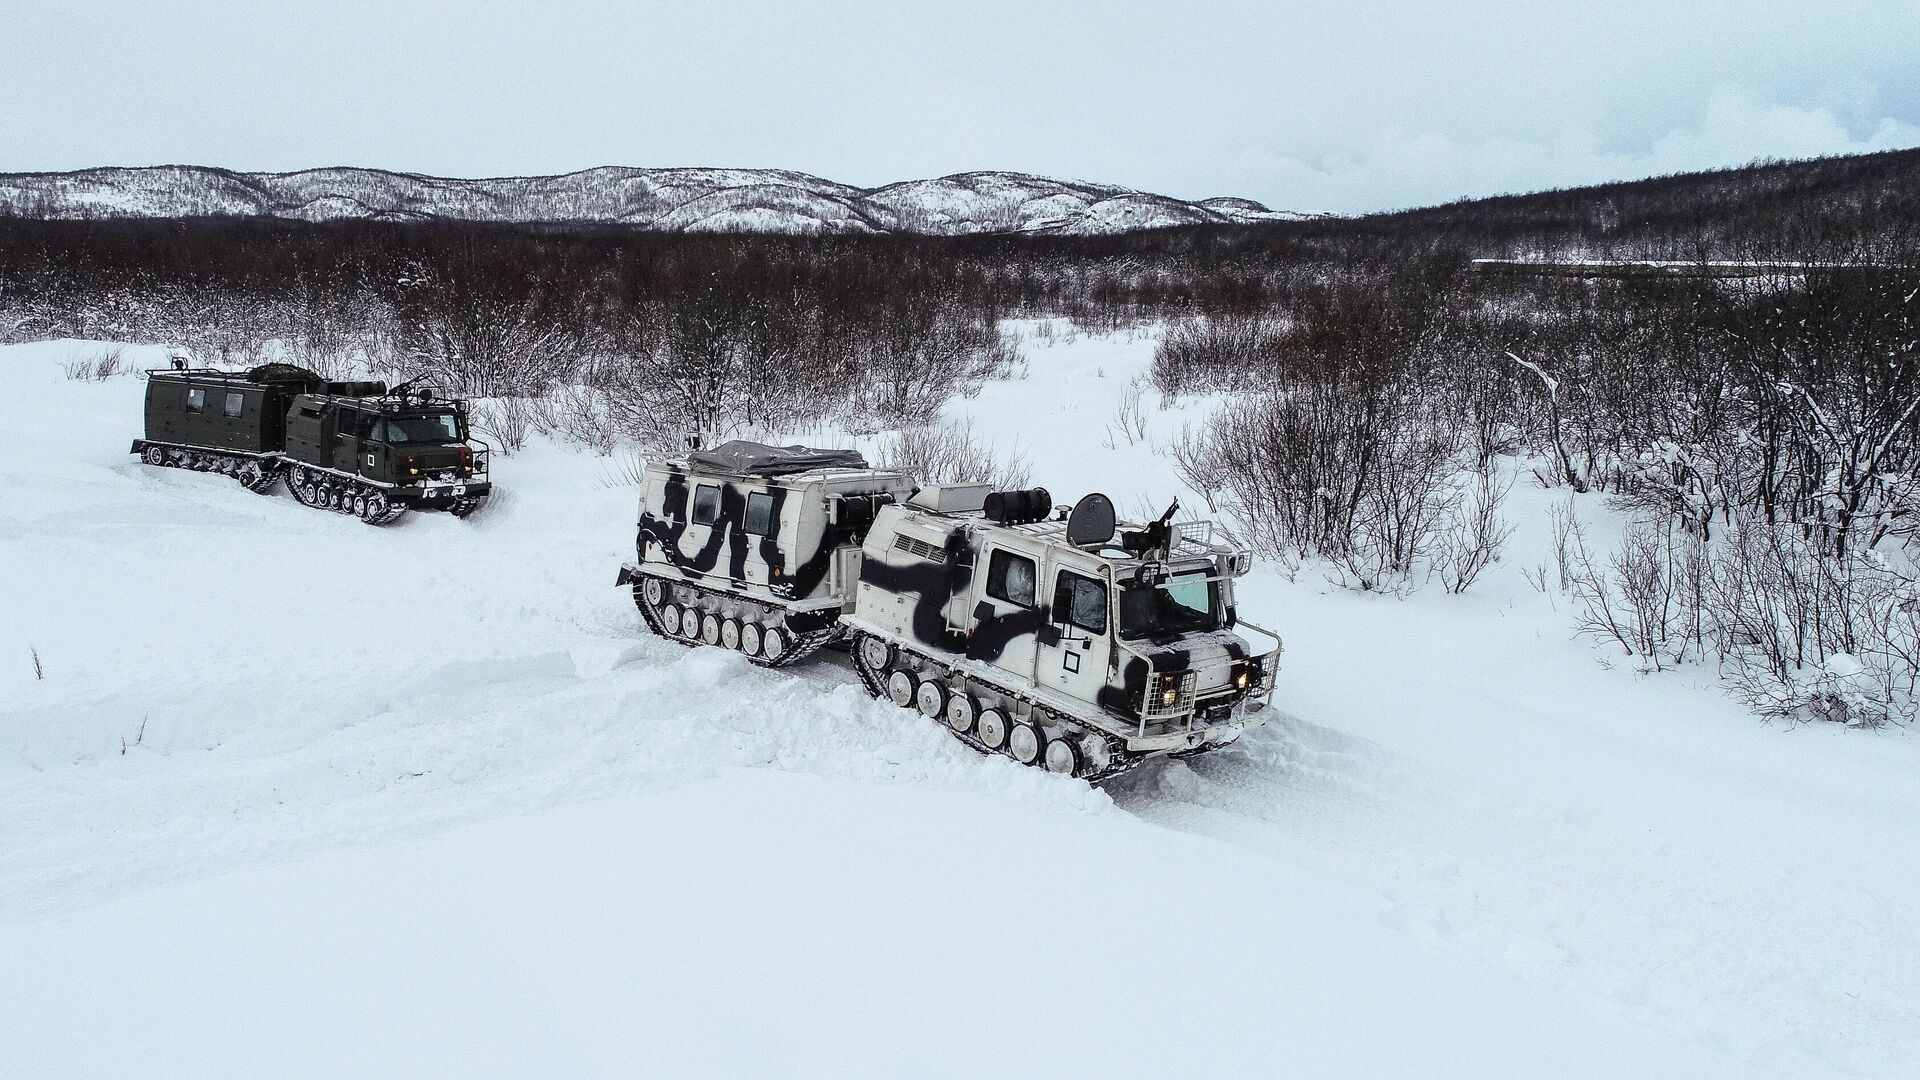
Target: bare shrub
[1200, 464]
[952, 453]
[99, 367]
[507, 419]
[1129, 423]
[1224, 352]
[1804, 633]
[576, 414]
[1473, 532]
[1648, 596]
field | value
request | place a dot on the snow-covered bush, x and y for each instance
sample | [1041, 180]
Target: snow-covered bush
[1797, 630]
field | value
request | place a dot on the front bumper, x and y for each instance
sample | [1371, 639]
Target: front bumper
[1212, 725]
[440, 496]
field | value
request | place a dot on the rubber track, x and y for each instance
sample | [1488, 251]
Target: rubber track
[1121, 764]
[799, 646]
[392, 513]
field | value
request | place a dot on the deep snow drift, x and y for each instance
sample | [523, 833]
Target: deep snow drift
[425, 801]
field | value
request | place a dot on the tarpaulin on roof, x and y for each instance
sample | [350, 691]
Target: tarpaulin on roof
[745, 458]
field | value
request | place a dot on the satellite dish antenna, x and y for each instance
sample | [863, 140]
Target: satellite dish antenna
[1092, 521]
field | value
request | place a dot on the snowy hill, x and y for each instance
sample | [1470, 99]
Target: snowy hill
[297, 797]
[712, 200]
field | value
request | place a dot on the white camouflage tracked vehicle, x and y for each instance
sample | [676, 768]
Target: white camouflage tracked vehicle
[1047, 638]
[754, 547]
[1060, 640]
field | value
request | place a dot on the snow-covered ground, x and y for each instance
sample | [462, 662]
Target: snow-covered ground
[298, 797]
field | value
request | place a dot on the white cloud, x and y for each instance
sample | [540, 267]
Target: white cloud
[1397, 168]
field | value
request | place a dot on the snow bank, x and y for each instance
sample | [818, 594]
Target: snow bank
[425, 801]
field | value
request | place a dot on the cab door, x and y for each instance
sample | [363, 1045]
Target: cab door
[1007, 616]
[341, 438]
[1075, 649]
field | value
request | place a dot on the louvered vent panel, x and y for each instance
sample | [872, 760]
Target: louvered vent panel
[918, 548]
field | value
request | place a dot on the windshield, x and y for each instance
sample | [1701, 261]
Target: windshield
[431, 428]
[1188, 603]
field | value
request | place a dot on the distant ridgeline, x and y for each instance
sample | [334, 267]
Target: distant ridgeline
[682, 200]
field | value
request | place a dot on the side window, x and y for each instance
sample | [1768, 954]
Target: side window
[1011, 578]
[1081, 601]
[759, 513]
[706, 504]
[236, 402]
[196, 400]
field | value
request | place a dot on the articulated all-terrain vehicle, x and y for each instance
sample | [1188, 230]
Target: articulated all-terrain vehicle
[352, 447]
[1059, 639]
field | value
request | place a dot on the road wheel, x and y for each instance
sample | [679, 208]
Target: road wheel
[670, 617]
[710, 628]
[900, 688]
[773, 643]
[1023, 742]
[153, 455]
[730, 633]
[932, 699]
[961, 713]
[690, 623]
[991, 729]
[654, 590]
[1062, 757]
[874, 653]
[1097, 752]
[750, 638]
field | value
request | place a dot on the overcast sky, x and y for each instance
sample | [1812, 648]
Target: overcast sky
[1336, 106]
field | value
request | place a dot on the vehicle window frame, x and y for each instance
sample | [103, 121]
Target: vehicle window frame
[713, 516]
[235, 406]
[196, 400]
[997, 564]
[1065, 614]
[764, 499]
[1216, 604]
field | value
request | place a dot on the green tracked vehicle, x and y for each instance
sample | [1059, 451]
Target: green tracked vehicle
[356, 448]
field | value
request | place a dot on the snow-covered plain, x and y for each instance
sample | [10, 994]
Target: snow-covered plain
[297, 797]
